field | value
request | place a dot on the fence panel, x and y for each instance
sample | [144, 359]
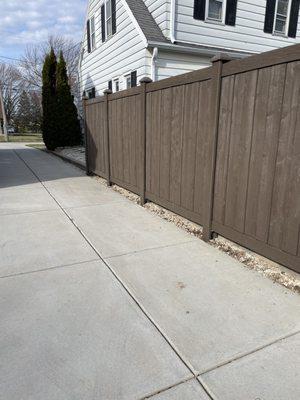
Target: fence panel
[125, 141]
[177, 132]
[96, 140]
[257, 184]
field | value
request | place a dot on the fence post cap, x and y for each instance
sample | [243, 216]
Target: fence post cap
[145, 79]
[107, 91]
[85, 98]
[221, 57]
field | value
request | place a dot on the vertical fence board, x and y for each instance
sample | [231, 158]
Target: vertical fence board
[284, 214]
[149, 140]
[225, 120]
[165, 144]
[176, 144]
[155, 148]
[270, 90]
[240, 148]
[189, 145]
[126, 133]
[202, 147]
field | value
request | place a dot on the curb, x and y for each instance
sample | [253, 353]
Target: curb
[67, 159]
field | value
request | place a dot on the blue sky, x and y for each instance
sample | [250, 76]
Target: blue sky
[26, 22]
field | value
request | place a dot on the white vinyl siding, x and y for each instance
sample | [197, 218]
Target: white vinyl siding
[247, 35]
[171, 64]
[123, 52]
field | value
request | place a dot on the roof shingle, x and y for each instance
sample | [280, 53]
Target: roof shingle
[146, 21]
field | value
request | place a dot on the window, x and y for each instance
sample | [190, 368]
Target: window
[108, 19]
[91, 93]
[222, 11]
[116, 85]
[128, 81]
[215, 10]
[281, 16]
[91, 34]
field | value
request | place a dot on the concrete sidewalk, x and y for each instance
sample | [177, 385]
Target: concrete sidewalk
[100, 299]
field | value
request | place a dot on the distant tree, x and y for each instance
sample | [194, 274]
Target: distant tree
[34, 56]
[35, 111]
[68, 124]
[12, 84]
[49, 102]
[23, 115]
[29, 113]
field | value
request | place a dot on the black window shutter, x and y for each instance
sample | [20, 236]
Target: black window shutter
[269, 17]
[231, 12]
[93, 93]
[88, 35]
[133, 78]
[110, 85]
[199, 9]
[103, 22]
[294, 18]
[113, 16]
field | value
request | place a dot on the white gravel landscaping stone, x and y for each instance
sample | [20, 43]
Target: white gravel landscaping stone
[75, 153]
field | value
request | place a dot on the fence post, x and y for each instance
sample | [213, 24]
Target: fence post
[217, 66]
[106, 127]
[85, 130]
[144, 81]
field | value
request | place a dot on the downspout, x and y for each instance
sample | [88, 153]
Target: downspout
[153, 63]
[172, 21]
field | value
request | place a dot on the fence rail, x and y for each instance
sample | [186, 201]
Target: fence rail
[219, 146]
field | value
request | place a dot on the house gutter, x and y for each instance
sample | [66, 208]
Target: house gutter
[196, 50]
[172, 21]
[153, 63]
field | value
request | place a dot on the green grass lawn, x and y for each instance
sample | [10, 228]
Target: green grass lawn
[23, 137]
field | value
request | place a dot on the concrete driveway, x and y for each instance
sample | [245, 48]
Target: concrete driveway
[100, 299]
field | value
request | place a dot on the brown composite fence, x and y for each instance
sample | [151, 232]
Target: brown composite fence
[219, 146]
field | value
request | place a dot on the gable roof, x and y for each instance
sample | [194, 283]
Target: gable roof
[146, 21]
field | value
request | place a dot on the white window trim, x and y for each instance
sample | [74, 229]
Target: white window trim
[93, 47]
[216, 21]
[287, 20]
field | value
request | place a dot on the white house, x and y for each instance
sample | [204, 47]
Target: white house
[125, 40]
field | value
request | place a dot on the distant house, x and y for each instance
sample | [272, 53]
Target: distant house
[126, 40]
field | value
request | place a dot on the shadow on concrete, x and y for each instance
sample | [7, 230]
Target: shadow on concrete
[26, 166]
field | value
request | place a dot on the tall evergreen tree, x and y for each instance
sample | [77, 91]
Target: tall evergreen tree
[68, 123]
[49, 102]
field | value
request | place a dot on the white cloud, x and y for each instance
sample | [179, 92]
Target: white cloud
[25, 22]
